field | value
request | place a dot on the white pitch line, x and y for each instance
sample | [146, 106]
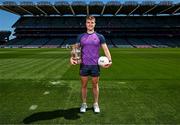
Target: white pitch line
[33, 107]
[46, 93]
[55, 82]
[121, 82]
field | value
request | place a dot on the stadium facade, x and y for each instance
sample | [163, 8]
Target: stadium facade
[131, 24]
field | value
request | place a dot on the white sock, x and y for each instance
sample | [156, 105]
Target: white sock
[95, 103]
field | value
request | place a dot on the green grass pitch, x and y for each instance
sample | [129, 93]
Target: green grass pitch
[39, 86]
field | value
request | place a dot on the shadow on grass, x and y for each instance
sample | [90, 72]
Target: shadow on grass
[69, 114]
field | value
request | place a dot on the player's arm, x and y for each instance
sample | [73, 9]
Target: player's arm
[107, 54]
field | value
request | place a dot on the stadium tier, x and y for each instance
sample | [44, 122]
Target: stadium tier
[4, 37]
[130, 24]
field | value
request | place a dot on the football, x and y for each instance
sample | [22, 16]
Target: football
[103, 60]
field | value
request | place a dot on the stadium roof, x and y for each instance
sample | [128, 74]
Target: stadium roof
[80, 8]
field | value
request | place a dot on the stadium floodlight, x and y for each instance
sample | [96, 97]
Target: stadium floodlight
[113, 3]
[61, 3]
[131, 3]
[96, 3]
[166, 3]
[78, 3]
[148, 3]
[9, 3]
[26, 3]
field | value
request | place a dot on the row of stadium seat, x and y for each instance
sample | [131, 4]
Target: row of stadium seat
[113, 42]
[77, 22]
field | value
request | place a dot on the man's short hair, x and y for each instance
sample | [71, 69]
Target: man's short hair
[90, 18]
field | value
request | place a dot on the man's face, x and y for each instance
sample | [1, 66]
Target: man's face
[90, 24]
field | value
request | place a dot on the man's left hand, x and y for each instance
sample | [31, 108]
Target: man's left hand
[107, 65]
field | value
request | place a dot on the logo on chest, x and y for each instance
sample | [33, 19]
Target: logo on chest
[90, 41]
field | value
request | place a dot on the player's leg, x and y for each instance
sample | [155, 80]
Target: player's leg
[95, 89]
[84, 81]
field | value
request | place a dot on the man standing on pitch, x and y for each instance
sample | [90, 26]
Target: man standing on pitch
[90, 43]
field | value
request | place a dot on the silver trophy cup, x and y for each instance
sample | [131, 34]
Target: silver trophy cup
[77, 54]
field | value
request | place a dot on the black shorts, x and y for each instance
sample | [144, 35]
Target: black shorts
[89, 70]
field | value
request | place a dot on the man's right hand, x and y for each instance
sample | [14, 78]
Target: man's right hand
[73, 61]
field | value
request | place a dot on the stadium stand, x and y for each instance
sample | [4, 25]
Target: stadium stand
[155, 43]
[121, 43]
[4, 37]
[54, 43]
[125, 25]
[138, 43]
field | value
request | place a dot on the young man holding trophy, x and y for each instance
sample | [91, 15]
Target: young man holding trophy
[86, 53]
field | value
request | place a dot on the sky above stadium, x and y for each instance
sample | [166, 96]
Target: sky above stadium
[8, 19]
